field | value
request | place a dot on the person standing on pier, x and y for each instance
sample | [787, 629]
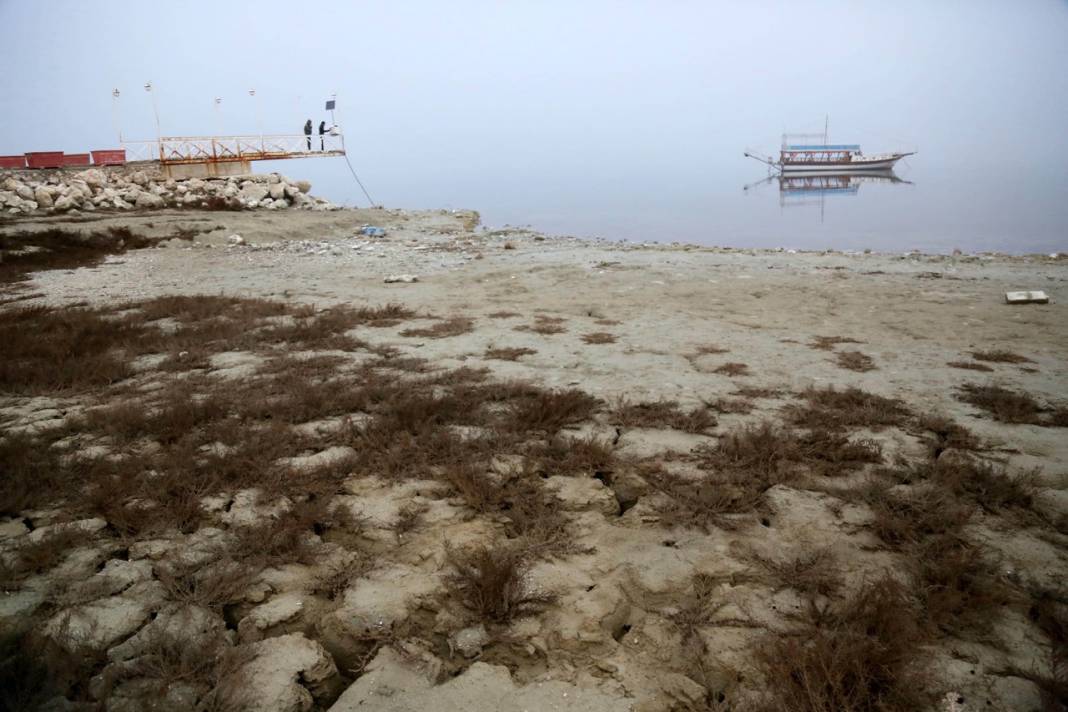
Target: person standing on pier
[307, 132]
[322, 130]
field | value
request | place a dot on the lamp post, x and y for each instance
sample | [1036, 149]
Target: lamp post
[259, 115]
[155, 111]
[218, 117]
[115, 113]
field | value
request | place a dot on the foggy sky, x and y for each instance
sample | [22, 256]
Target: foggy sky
[537, 110]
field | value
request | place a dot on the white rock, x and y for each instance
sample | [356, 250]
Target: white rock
[139, 177]
[235, 239]
[148, 201]
[303, 186]
[65, 202]
[94, 177]
[81, 187]
[277, 191]
[254, 193]
[404, 278]
[24, 191]
[470, 641]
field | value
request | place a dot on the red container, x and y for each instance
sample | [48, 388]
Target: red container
[44, 159]
[12, 161]
[76, 159]
[110, 157]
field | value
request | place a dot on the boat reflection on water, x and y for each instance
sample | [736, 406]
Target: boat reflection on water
[804, 188]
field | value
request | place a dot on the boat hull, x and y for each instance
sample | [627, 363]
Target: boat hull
[855, 166]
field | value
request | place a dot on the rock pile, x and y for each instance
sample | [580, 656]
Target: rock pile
[24, 193]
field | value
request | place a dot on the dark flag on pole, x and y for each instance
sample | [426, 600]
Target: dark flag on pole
[330, 105]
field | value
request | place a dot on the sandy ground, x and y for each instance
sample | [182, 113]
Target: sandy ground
[912, 314]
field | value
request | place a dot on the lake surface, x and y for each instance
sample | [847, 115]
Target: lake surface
[928, 204]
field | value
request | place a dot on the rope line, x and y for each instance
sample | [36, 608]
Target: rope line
[370, 202]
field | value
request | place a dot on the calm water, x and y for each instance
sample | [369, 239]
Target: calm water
[935, 204]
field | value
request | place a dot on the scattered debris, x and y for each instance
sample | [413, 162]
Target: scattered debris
[1034, 297]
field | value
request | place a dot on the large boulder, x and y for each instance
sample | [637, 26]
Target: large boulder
[139, 177]
[10, 184]
[80, 187]
[24, 191]
[148, 201]
[303, 186]
[253, 193]
[66, 202]
[43, 198]
[94, 178]
[277, 191]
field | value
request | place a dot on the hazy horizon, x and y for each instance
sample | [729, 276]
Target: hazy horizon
[615, 119]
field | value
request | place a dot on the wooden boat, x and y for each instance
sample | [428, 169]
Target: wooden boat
[825, 157]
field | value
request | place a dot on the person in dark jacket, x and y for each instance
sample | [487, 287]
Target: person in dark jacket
[322, 130]
[307, 132]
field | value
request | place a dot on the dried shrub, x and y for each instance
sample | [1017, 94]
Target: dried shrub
[571, 456]
[31, 474]
[855, 361]
[809, 572]
[544, 325]
[493, 583]
[453, 326]
[757, 392]
[503, 314]
[33, 251]
[37, 557]
[212, 585]
[986, 485]
[709, 349]
[850, 407]
[387, 315]
[507, 354]
[859, 655]
[732, 369]
[49, 350]
[942, 433]
[661, 414]
[955, 584]
[548, 411]
[999, 356]
[599, 337]
[712, 500]
[1003, 404]
[1048, 610]
[830, 453]
[739, 406]
[969, 366]
[827, 343]
[34, 671]
[905, 519]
